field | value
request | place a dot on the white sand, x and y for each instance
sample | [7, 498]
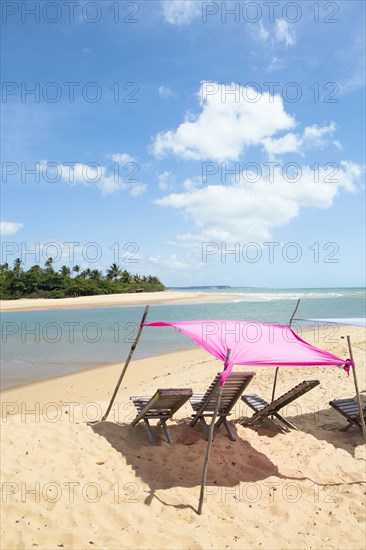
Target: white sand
[67, 484]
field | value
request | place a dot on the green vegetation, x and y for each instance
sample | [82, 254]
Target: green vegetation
[45, 282]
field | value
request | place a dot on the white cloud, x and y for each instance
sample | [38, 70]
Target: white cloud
[165, 91]
[249, 210]
[280, 33]
[275, 64]
[10, 228]
[289, 143]
[172, 262]
[166, 181]
[181, 12]
[192, 183]
[137, 189]
[285, 33]
[312, 137]
[262, 32]
[233, 117]
[315, 136]
[122, 158]
[124, 177]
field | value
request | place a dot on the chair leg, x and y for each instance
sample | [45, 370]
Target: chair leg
[230, 433]
[149, 432]
[166, 431]
[347, 427]
[193, 421]
[204, 426]
[286, 422]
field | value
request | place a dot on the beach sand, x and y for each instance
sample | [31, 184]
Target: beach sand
[112, 300]
[70, 483]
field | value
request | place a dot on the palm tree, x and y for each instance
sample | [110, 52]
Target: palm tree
[4, 269]
[96, 274]
[35, 269]
[114, 272]
[17, 267]
[76, 268]
[65, 271]
[126, 277]
[86, 273]
[48, 264]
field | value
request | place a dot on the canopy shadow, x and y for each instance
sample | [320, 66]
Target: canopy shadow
[164, 466]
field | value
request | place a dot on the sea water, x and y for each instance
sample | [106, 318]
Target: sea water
[37, 345]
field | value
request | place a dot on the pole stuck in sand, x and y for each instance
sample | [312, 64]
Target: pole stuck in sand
[133, 347]
[210, 439]
[362, 420]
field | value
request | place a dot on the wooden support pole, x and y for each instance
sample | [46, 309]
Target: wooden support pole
[209, 443]
[294, 312]
[276, 373]
[274, 385]
[133, 347]
[362, 420]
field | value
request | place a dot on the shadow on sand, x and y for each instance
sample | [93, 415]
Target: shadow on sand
[324, 424]
[163, 466]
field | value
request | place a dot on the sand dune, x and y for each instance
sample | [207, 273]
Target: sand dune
[71, 482]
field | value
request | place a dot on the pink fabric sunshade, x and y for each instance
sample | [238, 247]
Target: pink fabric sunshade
[253, 344]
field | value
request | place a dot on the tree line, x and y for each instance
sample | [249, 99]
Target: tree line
[46, 282]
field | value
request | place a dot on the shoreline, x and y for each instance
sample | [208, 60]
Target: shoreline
[115, 300]
[307, 335]
[103, 368]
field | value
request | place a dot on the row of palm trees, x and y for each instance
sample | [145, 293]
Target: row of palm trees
[113, 273]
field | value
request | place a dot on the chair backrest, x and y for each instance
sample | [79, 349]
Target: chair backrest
[170, 400]
[292, 394]
[233, 388]
[349, 408]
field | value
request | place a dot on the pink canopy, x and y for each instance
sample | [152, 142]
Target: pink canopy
[253, 344]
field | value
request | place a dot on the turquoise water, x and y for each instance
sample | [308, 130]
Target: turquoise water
[38, 345]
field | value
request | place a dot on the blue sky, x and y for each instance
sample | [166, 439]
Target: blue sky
[171, 133]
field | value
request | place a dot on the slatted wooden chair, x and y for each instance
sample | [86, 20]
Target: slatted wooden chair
[262, 409]
[204, 404]
[349, 409]
[162, 405]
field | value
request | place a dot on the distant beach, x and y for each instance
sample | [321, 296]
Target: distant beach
[110, 300]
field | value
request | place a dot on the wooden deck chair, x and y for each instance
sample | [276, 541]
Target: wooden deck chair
[262, 409]
[162, 406]
[204, 404]
[349, 409]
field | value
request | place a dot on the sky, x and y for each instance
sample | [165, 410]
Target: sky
[203, 142]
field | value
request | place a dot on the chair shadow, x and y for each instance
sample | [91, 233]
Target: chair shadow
[325, 424]
[163, 466]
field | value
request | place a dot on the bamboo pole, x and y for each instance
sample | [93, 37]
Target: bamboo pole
[210, 439]
[274, 385]
[294, 312]
[362, 420]
[276, 373]
[133, 347]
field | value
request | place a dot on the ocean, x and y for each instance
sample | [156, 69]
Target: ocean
[37, 345]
